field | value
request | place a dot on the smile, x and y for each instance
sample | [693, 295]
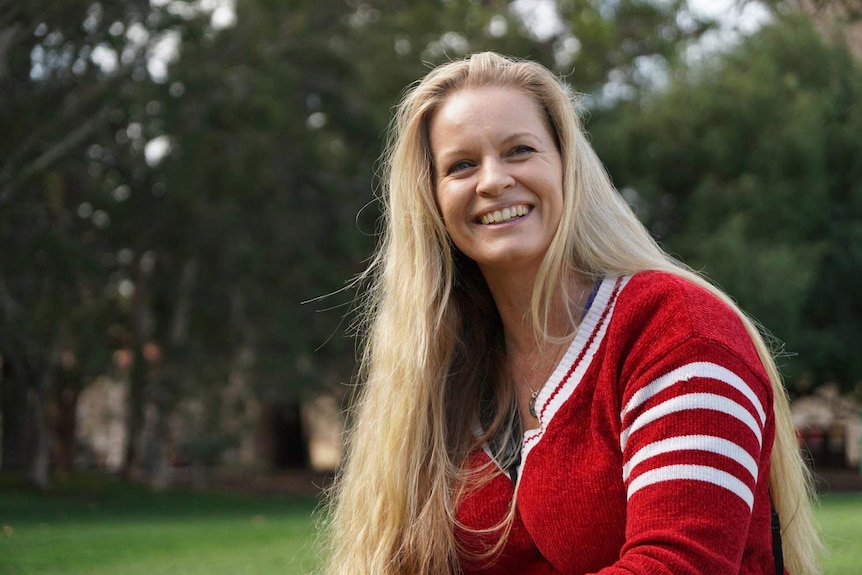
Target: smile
[504, 215]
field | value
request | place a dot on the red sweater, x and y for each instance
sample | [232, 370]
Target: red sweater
[653, 451]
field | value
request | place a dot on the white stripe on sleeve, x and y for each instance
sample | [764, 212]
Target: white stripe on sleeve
[692, 401]
[692, 370]
[707, 443]
[695, 473]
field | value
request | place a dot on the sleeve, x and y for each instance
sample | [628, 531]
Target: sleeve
[696, 434]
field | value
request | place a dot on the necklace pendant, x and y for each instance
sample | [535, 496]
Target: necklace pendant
[531, 407]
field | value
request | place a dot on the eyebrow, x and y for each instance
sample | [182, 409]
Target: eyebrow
[458, 152]
[519, 135]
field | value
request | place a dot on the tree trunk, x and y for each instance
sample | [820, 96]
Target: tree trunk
[39, 466]
[155, 451]
[13, 407]
[156, 470]
[65, 427]
[137, 377]
[289, 442]
[134, 414]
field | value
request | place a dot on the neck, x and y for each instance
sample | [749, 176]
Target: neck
[530, 359]
[513, 293]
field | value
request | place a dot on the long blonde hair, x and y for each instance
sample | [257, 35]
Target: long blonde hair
[425, 378]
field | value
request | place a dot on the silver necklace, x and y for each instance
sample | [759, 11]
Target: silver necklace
[531, 405]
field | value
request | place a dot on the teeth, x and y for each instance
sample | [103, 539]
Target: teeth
[504, 215]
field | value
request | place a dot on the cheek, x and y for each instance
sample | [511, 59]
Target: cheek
[439, 200]
[448, 206]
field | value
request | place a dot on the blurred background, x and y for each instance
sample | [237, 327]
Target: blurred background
[182, 182]
[187, 189]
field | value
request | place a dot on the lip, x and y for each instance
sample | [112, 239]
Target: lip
[500, 207]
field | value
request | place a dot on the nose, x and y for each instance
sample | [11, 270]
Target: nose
[493, 178]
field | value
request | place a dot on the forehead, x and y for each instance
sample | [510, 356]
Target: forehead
[490, 112]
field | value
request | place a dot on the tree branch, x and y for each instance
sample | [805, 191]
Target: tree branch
[8, 37]
[50, 156]
[71, 107]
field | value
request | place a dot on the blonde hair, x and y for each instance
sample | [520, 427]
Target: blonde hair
[425, 378]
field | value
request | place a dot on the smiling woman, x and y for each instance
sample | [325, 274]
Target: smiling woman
[498, 179]
[544, 390]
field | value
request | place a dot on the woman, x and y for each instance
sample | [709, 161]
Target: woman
[544, 390]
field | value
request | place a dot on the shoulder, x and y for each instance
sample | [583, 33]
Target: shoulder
[659, 314]
[678, 304]
[665, 287]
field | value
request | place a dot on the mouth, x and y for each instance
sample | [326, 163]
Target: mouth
[506, 214]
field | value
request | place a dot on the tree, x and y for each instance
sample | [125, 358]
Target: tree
[69, 72]
[746, 167]
[173, 186]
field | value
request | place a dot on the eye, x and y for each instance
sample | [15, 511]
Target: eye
[521, 150]
[459, 166]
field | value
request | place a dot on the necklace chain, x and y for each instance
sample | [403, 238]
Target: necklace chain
[531, 405]
[534, 394]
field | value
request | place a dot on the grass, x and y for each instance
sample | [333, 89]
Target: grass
[840, 517]
[101, 526]
[110, 528]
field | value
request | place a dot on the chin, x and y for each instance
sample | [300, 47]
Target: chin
[515, 262]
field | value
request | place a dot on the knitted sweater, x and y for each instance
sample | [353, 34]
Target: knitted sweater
[652, 455]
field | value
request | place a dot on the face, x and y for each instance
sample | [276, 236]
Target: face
[498, 177]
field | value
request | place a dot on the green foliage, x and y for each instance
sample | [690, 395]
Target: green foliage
[747, 167]
[62, 118]
[194, 265]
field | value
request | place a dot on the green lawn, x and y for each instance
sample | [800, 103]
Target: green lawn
[115, 529]
[104, 527]
[841, 519]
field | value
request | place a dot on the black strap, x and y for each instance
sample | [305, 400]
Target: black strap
[777, 553]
